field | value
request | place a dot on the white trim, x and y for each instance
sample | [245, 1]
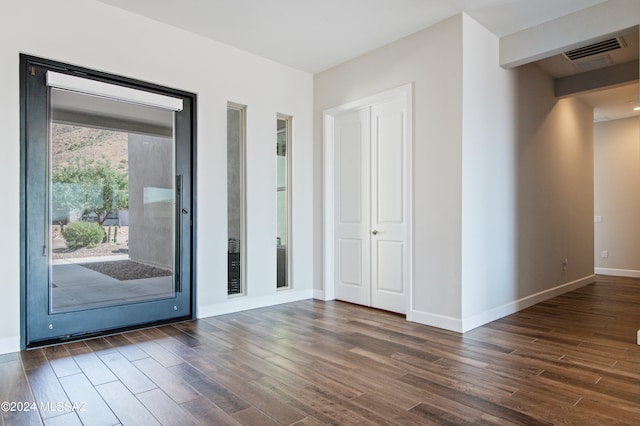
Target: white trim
[9, 345]
[512, 307]
[319, 295]
[112, 91]
[381, 97]
[243, 303]
[618, 272]
[436, 320]
[406, 92]
[329, 207]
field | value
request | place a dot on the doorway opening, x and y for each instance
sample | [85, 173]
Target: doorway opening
[604, 75]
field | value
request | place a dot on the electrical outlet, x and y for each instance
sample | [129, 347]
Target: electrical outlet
[605, 254]
[565, 264]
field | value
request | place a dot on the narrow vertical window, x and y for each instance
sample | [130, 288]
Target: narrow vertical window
[235, 198]
[283, 149]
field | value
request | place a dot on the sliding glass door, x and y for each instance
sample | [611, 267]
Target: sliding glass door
[107, 209]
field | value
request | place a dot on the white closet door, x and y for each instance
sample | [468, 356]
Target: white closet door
[389, 206]
[352, 205]
[371, 217]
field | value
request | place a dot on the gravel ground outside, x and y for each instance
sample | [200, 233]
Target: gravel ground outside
[124, 270]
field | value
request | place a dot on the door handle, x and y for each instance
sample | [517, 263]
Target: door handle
[374, 232]
[178, 231]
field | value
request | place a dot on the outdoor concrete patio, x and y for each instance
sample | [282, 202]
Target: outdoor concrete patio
[76, 287]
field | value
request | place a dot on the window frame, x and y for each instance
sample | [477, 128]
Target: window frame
[288, 129]
[242, 109]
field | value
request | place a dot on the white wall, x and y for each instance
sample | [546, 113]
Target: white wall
[555, 189]
[489, 256]
[617, 196]
[435, 68]
[94, 35]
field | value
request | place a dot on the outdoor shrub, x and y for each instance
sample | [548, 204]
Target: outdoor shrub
[83, 234]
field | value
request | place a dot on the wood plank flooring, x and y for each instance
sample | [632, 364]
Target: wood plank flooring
[570, 360]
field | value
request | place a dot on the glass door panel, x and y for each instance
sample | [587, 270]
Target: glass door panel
[112, 202]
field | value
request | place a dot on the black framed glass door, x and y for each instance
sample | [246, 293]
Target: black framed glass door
[107, 183]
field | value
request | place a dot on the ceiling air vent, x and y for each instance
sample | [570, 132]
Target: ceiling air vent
[595, 49]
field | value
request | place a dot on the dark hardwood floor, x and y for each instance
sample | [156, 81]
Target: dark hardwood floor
[570, 360]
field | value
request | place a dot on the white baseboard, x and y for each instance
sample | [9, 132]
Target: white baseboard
[238, 304]
[469, 323]
[435, 320]
[630, 273]
[9, 345]
[320, 295]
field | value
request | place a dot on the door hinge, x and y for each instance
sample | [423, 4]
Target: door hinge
[44, 251]
[32, 70]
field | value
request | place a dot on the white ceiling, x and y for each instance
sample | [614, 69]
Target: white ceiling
[314, 35]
